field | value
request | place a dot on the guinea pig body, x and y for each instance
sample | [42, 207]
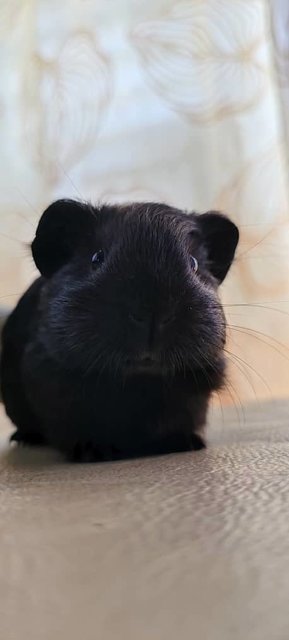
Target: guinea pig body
[115, 350]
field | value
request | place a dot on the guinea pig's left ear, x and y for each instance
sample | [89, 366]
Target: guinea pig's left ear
[221, 237]
[62, 228]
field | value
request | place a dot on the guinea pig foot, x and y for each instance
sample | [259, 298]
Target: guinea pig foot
[88, 452]
[28, 438]
[177, 443]
[83, 452]
[197, 442]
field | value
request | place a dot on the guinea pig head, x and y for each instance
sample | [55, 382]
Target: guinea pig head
[133, 289]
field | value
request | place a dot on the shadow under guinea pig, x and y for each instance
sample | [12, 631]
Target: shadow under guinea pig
[17, 456]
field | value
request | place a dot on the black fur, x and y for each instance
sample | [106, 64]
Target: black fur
[118, 358]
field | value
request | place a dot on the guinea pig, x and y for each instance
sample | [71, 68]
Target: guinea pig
[115, 350]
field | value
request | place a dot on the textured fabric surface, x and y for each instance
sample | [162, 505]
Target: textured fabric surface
[183, 546]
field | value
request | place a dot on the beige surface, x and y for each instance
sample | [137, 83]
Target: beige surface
[180, 547]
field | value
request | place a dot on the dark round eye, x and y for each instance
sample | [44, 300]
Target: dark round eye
[97, 258]
[194, 264]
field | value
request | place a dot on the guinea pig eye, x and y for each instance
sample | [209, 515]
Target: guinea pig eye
[97, 258]
[194, 264]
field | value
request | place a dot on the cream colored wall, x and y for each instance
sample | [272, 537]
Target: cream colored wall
[176, 101]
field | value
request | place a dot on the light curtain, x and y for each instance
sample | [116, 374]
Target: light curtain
[185, 102]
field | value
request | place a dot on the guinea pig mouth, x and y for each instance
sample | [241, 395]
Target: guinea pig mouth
[143, 363]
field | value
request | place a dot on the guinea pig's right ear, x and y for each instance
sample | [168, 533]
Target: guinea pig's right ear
[61, 229]
[220, 237]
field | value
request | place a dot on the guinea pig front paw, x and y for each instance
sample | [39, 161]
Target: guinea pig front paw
[179, 442]
[197, 442]
[28, 438]
[89, 452]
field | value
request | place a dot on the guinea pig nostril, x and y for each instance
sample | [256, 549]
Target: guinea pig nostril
[168, 319]
[136, 318]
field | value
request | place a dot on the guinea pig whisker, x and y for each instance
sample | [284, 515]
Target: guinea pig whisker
[253, 333]
[256, 305]
[228, 386]
[10, 295]
[179, 363]
[94, 361]
[199, 363]
[220, 404]
[116, 362]
[245, 375]
[105, 362]
[6, 235]
[238, 407]
[70, 180]
[246, 364]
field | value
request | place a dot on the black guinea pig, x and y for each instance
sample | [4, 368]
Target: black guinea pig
[115, 350]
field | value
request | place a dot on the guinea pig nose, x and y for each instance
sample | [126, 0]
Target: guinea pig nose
[137, 318]
[166, 319]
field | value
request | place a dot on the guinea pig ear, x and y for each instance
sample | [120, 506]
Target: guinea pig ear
[221, 237]
[61, 229]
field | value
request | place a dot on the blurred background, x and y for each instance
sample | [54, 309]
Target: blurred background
[184, 102]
